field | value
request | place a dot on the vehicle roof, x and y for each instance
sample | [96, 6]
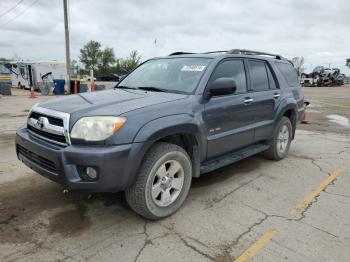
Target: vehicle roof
[227, 54]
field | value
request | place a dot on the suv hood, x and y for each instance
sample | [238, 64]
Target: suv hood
[109, 102]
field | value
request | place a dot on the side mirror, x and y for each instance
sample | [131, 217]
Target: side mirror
[221, 86]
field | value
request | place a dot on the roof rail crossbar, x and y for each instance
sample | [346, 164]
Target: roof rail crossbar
[181, 53]
[251, 52]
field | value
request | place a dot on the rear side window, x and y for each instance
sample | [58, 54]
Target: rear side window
[232, 69]
[258, 75]
[289, 73]
[272, 81]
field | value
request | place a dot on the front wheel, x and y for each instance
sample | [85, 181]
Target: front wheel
[163, 182]
[280, 143]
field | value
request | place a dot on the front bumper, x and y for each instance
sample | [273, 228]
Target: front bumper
[64, 164]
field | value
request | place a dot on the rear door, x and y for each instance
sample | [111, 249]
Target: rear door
[229, 119]
[292, 88]
[266, 96]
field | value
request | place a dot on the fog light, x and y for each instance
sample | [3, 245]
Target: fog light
[91, 172]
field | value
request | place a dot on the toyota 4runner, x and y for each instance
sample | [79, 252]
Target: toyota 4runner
[171, 119]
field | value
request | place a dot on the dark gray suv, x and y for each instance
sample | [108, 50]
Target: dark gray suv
[171, 119]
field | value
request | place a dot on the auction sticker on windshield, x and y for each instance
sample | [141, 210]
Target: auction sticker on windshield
[193, 68]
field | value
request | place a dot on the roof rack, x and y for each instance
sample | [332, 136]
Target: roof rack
[235, 51]
[181, 53]
[251, 52]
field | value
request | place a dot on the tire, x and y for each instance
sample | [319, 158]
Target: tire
[157, 169]
[275, 151]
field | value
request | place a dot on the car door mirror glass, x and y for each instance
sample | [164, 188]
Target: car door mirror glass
[222, 86]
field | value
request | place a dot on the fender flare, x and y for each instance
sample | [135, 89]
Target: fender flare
[169, 125]
[284, 107]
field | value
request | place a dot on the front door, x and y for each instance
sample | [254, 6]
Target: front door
[229, 119]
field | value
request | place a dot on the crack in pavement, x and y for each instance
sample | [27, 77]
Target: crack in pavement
[219, 199]
[313, 161]
[148, 240]
[183, 240]
[289, 219]
[193, 247]
[267, 216]
[146, 243]
[336, 194]
[249, 230]
[320, 229]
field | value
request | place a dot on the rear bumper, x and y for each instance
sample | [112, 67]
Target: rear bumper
[65, 165]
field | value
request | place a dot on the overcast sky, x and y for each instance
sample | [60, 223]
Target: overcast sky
[318, 30]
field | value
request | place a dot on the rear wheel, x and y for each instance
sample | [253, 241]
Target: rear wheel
[280, 143]
[163, 182]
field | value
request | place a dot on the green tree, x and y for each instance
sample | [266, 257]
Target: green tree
[107, 61]
[128, 64]
[348, 62]
[90, 55]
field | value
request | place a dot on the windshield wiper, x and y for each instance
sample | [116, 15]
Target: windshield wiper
[152, 88]
[125, 87]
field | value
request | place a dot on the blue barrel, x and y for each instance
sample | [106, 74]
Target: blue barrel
[83, 88]
[59, 86]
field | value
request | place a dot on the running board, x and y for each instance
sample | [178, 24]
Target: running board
[232, 157]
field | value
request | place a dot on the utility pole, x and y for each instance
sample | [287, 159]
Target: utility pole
[66, 31]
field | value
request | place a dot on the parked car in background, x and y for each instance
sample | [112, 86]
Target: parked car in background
[111, 77]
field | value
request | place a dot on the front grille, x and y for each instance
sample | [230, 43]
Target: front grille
[52, 120]
[39, 160]
[58, 138]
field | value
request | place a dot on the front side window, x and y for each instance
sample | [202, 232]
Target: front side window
[232, 69]
[179, 75]
[258, 75]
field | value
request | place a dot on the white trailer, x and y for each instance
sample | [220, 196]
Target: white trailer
[36, 74]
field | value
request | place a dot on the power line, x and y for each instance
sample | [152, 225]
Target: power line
[9, 10]
[19, 14]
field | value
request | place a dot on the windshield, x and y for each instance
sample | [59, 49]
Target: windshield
[168, 74]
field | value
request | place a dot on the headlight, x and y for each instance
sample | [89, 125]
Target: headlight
[96, 128]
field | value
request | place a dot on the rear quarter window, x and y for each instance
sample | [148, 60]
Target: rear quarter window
[289, 73]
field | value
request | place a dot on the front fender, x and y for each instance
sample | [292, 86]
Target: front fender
[169, 125]
[172, 125]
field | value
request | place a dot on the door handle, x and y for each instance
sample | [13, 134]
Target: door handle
[276, 95]
[248, 100]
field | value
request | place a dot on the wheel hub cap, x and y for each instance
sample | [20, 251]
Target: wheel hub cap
[167, 183]
[283, 139]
